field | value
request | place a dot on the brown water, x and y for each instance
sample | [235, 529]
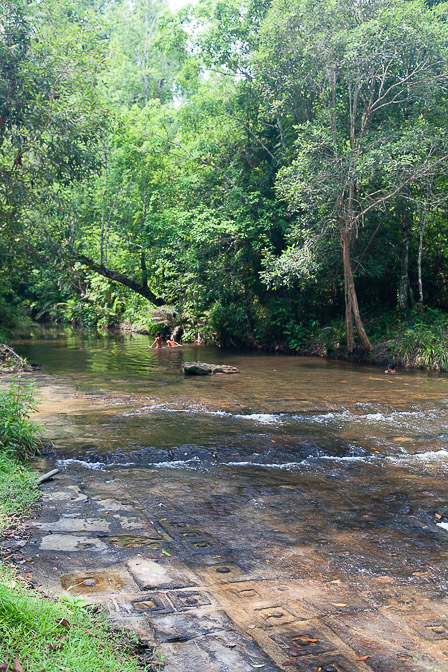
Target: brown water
[295, 469]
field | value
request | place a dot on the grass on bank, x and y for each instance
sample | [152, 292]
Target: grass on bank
[39, 634]
[19, 438]
[45, 635]
[18, 490]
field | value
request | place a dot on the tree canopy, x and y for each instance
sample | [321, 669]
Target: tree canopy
[249, 171]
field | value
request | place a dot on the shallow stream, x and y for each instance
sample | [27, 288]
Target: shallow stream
[293, 469]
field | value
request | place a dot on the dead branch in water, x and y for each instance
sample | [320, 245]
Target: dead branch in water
[46, 477]
[8, 353]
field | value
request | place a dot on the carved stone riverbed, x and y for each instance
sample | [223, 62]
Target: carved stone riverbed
[281, 519]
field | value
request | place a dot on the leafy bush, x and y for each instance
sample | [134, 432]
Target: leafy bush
[18, 435]
[331, 338]
[229, 321]
[296, 334]
[424, 345]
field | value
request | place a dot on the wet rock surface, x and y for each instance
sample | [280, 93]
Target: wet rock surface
[213, 604]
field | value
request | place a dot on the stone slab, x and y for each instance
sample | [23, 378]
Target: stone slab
[182, 627]
[134, 541]
[111, 580]
[70, 493]
[294, 641]
[71, 524]
[389, 647]
[332, 663]
[110, 504]
[135, 523]
[222, 652]
[71, 543]
[153, 575]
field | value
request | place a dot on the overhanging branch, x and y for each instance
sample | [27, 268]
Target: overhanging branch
[116, 276]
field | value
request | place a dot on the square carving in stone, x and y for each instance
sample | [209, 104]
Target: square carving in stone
[155, 604]
[298, 642]
[247, 594]
[275, 616]
[190, 600]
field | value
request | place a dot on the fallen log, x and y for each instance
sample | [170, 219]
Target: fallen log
[7, 352]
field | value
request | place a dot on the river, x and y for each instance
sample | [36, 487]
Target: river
[323, 477]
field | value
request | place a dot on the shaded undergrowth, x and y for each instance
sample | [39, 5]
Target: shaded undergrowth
[417, 340]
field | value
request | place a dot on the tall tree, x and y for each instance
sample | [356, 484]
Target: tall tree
[50, 114]
[368, 71]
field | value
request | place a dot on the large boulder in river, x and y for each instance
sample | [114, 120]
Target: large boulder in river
[203, 369]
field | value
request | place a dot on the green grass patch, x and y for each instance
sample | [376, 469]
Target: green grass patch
[43, 634]
[18, 490]
[19, 438]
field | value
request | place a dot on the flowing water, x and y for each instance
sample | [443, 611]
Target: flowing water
[295, 469]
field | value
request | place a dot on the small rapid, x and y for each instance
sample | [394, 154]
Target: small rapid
[131, 407]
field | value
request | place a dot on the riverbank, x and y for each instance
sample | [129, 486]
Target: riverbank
[38, 632]
[416, 341]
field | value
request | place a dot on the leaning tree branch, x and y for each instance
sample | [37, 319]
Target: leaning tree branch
[116, 276]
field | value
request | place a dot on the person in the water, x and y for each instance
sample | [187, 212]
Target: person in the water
[171, 343]
[390, 369]
[158, 341]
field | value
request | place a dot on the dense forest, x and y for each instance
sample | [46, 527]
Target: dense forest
[255, 173]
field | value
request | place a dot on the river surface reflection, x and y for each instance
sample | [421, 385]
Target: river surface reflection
[295, 468]
[133, 404]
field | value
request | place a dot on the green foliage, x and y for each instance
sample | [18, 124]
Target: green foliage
[19, 437]
[330, 339]
[35, 630]
[424, 344]
[212, 164]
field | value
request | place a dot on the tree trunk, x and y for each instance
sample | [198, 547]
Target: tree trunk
[348, 296]
[103, 211]
[404, 272]
[423, 220]
[358, 320]
[351, 299]
[144, 269]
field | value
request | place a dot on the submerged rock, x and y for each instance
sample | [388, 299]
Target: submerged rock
[203, 369]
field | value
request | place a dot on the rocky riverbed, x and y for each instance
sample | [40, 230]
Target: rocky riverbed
[287, 518]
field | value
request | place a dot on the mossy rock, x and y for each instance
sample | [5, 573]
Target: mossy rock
[204, 369]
